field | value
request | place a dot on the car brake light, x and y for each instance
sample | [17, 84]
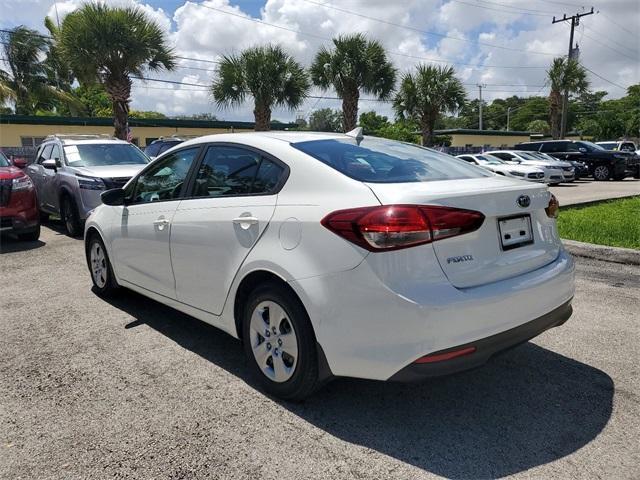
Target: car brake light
[391, 227]
[554, 207]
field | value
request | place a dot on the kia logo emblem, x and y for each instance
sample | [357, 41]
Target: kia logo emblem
[524, 201]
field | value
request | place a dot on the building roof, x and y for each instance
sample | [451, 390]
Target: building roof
[133, 122]
[471, 131]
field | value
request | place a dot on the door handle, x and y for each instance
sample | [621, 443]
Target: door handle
[245, 222]
[161, 223]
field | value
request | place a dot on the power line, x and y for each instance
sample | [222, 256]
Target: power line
[425, 32]
[607, 46]
[602, 78]
[501, 10]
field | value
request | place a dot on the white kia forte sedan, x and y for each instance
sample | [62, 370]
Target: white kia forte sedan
[337, 254]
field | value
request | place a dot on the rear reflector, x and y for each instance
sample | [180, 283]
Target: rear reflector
[440, 357]
[391, 227]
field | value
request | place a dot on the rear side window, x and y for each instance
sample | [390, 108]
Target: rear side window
[554, 147]
[231, 171]
[378, 160]
[45, 154]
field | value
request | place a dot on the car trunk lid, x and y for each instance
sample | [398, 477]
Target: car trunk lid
[512, 240]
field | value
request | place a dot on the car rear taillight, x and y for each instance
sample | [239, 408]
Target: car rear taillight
[554, 207]
[391, 227]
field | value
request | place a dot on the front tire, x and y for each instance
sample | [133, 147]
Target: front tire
[70, 217]
[601, 173]
[104, 281]
[280, 343]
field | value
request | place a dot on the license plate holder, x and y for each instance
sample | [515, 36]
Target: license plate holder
[515, 231]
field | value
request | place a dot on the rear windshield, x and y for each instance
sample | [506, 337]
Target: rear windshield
[379, 160]
[609, 145]
[99, 154]
[4, 162]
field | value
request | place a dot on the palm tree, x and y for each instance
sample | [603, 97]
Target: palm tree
[268, 74]
[565, 75]
[426, 94]
[26, 82]
[108, 45]
[355, 64]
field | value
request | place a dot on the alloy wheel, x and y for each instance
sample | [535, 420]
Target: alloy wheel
[273, 341]
[601, 173]
[99, 270]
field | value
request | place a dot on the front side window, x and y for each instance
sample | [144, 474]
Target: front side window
[164, 180]
[609, 145]
[590, 146]
[378, 160]
[228, 171]
[101, 154]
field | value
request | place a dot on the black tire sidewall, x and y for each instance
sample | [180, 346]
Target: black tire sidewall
[305, 377]
[68, 203]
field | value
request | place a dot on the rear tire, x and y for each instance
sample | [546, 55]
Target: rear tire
[31, 236]
[104, 282]
[280, 343]
[70, 217]
[601, 173]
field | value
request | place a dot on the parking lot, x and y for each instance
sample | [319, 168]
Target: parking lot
[132, 389]
[587, 190]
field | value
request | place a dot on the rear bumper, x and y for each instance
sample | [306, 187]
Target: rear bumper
[484, 348]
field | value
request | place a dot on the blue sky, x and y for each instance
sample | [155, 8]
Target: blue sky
[504, 44]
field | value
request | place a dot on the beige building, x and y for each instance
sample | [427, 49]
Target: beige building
[29, 131]
[467, 138]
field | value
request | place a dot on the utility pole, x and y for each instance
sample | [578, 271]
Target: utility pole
[573, 54]
[508, 115]
[480, 85]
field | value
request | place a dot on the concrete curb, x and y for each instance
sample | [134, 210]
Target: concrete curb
[627, 256]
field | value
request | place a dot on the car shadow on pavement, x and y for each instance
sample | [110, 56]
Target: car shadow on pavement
[9, 244]
[527, 407]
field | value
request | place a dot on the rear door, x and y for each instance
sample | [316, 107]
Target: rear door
[516, 236]
[232, 198]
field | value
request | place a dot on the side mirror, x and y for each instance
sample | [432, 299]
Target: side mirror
[113, 197]
[20, 162]
[50, 164]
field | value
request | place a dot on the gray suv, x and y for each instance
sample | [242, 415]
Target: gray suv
[71, 171]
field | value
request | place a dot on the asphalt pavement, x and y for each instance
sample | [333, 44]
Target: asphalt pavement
[586, 191]
[128, 388]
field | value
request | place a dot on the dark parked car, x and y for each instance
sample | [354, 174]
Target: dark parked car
[161, 145]
[18, 206]
[602, 164]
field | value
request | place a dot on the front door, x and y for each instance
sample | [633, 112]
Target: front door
[230, 203]
[141, 247]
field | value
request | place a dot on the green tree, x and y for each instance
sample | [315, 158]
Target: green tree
[538, 126]
[402, 130]
[426, 94]
[325, 120]
[371, 122]
[25, 82]
[109, 45]
[271, 76]
[564, 75]
[146, 114]
[354, 65]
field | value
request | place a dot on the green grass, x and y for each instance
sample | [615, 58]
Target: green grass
[613, 222]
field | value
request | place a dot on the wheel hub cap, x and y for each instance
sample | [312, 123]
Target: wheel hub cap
[273, 341]
[98, 265]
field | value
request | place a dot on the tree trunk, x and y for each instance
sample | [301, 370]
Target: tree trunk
[350, 110]
[555, 103]
[426, 125]
[262, 116]
[119, 91]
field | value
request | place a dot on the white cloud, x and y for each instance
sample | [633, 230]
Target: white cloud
[609, 41]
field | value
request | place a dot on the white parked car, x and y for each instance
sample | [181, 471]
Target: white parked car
[620, 146]
[337, 255]
[495, 165]
[554, 169]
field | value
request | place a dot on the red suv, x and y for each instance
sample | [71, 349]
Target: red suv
[18, 206]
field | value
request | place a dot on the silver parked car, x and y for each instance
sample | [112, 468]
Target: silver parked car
[71, 171]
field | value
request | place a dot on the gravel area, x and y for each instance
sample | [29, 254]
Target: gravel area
[132, 389]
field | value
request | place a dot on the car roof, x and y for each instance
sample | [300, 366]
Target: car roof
[288, 137]
[95, 141]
